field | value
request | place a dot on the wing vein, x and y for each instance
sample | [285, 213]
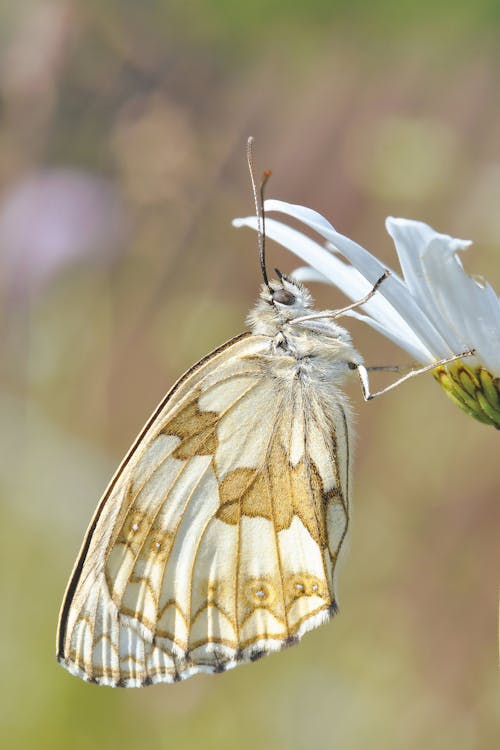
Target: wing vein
[182, 515]
[278, 551]
[308, 416]
[345, 500]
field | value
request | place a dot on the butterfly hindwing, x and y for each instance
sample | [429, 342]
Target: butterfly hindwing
[217, 539]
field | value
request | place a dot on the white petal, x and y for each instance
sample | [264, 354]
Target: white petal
[311, 252]
[328, 268]
[413, 240]
[467, 313]
[471, 309]
[422, 234]
[304, 214]
[306, 273]
[401, 334]
[436, 311]
[404, 338]
[393, 289]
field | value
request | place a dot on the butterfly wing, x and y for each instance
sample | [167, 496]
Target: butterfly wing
[216, 540]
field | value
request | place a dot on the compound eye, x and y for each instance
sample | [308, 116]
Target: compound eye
[284, 297]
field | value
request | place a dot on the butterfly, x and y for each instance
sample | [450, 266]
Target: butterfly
[217, 539]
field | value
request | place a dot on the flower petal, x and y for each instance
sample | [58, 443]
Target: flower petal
[467, 312]
[466, 306]
[415, 240]
[326, 267]
[306, 273]
[303, 246]
[393, 289]
[402, 336]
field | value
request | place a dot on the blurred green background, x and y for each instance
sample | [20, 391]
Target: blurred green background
[122, 161]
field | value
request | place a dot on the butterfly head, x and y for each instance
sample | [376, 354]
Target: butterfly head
[285, 308]
[288, 298]
[280, 301]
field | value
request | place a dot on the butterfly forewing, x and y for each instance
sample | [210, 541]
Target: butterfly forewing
[217, 539]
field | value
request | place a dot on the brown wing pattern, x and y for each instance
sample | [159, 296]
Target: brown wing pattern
[217, 539]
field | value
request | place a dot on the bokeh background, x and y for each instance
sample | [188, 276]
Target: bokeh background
[122, 161]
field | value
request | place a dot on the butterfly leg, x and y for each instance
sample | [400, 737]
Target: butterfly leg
[332, 314]
[341, 311]
[365, 383]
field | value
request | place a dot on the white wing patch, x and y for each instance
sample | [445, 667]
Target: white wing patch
[216, 541]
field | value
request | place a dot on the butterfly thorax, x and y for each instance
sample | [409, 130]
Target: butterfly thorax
[316, 344]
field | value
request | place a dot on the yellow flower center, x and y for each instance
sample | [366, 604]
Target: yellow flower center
[473, 389]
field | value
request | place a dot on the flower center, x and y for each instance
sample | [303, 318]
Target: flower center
[473, 389]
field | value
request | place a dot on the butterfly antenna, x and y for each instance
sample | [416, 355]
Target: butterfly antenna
[258, 197]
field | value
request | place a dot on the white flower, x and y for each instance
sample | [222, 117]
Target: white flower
[435, 310]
